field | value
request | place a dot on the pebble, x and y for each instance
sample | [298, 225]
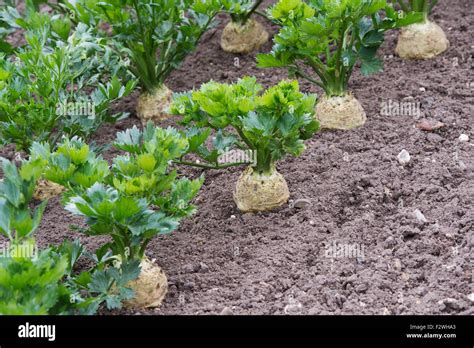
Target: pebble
[404, 157]
[293, 309]
[471, 297]
[464, 138]
[429, 125]
[232, 216]
[450, 303]
[419, 216]
[301, 203]
[311, 222]
[422, 89]
[227, 311]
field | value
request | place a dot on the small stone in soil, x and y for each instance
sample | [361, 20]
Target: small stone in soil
[451, 303]
[419, 216]
[301, 203]
[429, 125]
[471, 297]
[404, 157]
[227, 311]
[463, 138]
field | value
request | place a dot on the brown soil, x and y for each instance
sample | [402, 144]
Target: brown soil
[278, 262]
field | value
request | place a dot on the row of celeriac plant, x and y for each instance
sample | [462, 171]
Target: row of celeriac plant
[50, 82]
[139, 196]
[155, 35]
[136, 198]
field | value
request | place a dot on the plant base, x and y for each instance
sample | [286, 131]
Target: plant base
[46, 189]
[237, 38]
[150, 287]
[340, 112]
[154, 107]
[421, 41]
[260, 192]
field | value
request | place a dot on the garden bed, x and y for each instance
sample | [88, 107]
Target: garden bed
[350, 190]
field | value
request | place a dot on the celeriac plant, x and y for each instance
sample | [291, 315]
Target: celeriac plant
[271, 124]
[140, 199]
[422, 40]
[155, 35]
[51, 85]
[121, 205]
[42, 282]
[329, 37]
[242, 34]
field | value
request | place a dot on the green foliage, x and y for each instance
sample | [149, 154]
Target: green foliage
[424, 6]
[32, 285]
[107, 282]
[17, 222]
[330, 37]
[143, 30]
[141, 197]
[44, 284]
[46, 84]
[273, 123]
[144, 172]
[241, 10]
[73, 164]
[33, 282]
